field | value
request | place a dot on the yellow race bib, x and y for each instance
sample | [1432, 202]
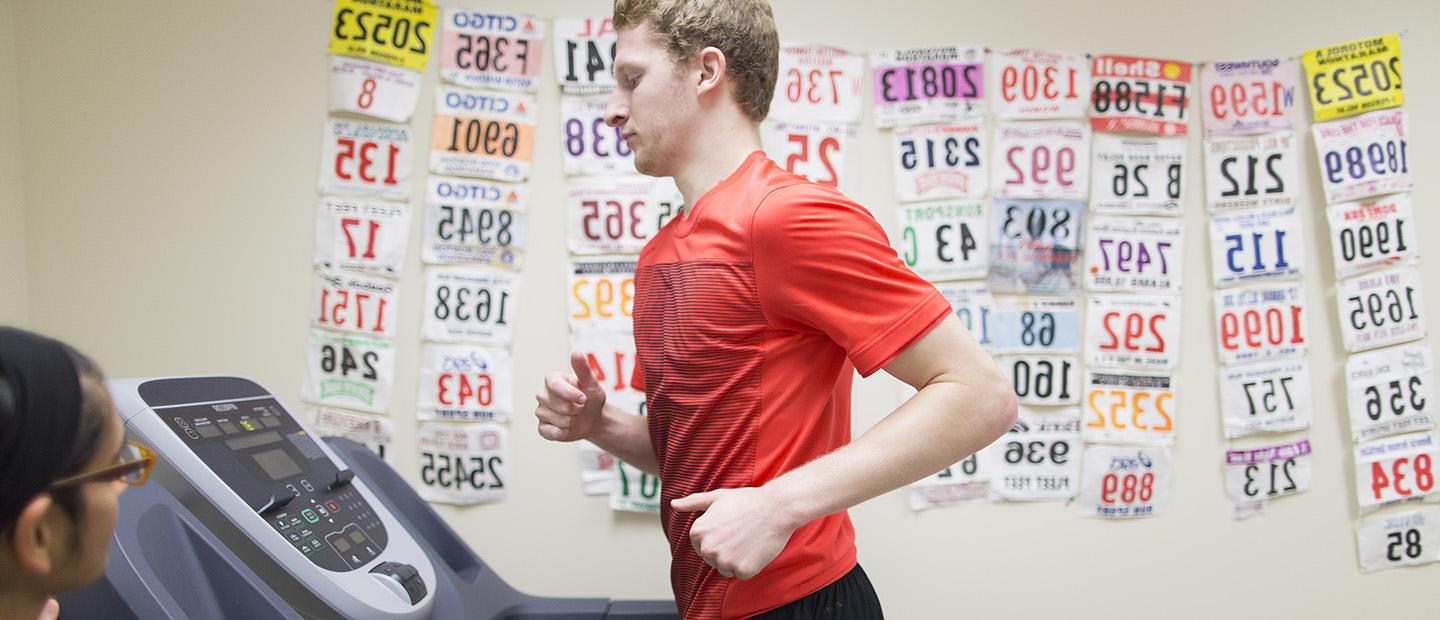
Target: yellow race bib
[394, 32]
[1355, 77]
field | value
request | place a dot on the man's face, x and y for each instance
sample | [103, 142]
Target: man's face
[653, 103]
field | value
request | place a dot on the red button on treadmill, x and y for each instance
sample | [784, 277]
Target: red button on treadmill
[334, 507]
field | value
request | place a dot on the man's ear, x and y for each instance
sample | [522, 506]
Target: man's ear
[712, 68]
[35, 536]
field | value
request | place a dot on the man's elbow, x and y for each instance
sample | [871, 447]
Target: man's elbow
[1003, 410]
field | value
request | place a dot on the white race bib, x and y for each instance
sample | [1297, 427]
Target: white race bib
[469, 304]
[1390, 391]
[366, 159]
[1272, 397]
[1371, 234]
[1125, 481]
[1381, 308]
[1041, 160]
[1244, 172]
[465, 383]
[1260, 324]
[462, 463]
[1133, 331]
[474, 221]
[940, 161]
[945, 240]
[350, 371]
[1137, 176]
[359, 236]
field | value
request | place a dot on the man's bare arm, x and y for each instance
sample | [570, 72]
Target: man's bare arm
[572, 407]
[962, 405]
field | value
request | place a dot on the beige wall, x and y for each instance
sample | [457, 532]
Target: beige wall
[14, 294]
[169, 164]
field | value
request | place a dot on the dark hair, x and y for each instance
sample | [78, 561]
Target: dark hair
[89, 422]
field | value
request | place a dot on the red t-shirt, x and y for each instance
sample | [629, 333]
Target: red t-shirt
[750, 315]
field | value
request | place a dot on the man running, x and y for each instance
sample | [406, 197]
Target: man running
[752, 311]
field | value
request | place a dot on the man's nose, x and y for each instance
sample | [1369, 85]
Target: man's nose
[616, 110]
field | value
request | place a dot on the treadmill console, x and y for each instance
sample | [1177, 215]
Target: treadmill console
[280, 471]
[231, 450]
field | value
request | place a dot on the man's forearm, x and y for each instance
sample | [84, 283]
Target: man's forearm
[942, 424]
[626, 436]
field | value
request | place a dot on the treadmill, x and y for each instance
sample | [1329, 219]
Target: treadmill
[248, 514]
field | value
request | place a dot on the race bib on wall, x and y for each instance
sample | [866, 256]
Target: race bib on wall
[585, 55]
[1035, 325]
[635, 490]
[966, 481]
[397, 33]
[815, 151]
[1394, 470]
[350, 371]
[818, 84]
[973, 305]
[355, 303]
[612, 360]
[469, 304]
[1380, 309]
[1040, 457]
[1140, 95]
[1244, 172]
[1142, 255]
[1390, 391]
[940, 161]
[1035, 246]
[945, 240]
[1129, 407]
[366, 159]
[1137, 176]
[358, 236]
[1364, 156]
[1267, 472]
[591, 146]
[1125, 481]
[465, 383]
[1371, 234]
[1271, 397]
[462, 464]
[1354, 77]
[474, 221]
[1255, 246]
[1249, 96]
[920, 85]
[1030, 84]
[1407, 538]
[617, 215]
[479, 134]
[1043, 379]
[373, 89]
[1260, 324]
[1041, 160]
[374, 432]
[491, 50]
[1133, 331]
[602, 295]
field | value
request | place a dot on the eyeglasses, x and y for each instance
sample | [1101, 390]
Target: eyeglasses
[136, 459]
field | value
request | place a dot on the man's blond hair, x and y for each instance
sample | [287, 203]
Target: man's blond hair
[743, 29]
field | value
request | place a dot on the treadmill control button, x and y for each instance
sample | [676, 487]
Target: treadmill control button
[342, 478]
[310, 515]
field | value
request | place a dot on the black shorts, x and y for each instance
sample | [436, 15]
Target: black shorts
[850, 598]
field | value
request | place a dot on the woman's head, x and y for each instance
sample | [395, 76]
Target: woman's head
[57, 424]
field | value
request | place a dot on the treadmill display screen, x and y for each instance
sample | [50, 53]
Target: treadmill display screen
[280, 471]
[276, 463]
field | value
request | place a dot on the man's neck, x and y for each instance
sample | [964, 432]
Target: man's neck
[717, 154]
